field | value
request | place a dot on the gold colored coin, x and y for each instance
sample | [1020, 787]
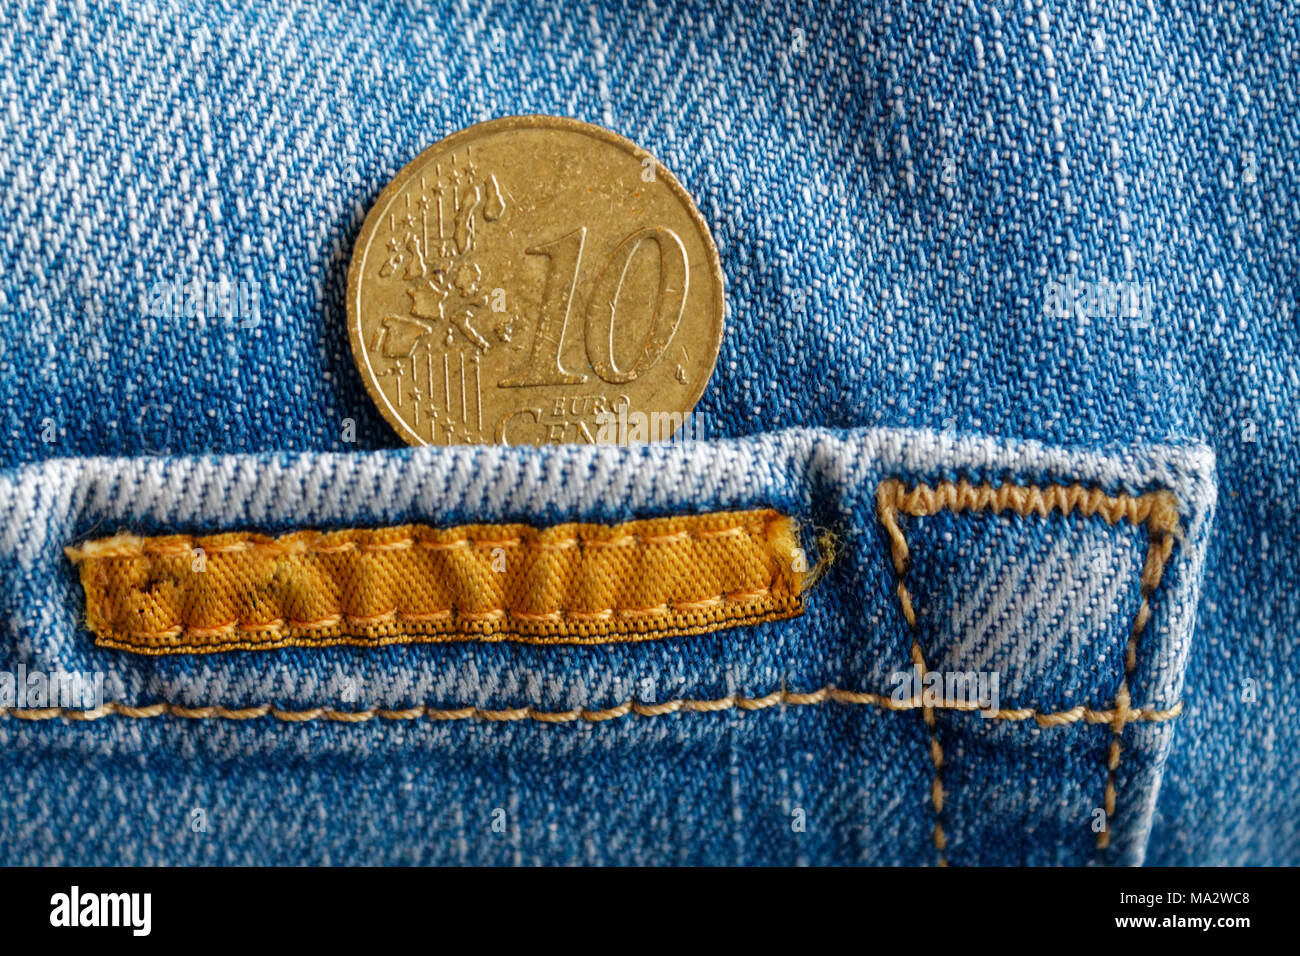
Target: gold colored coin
[534, 280]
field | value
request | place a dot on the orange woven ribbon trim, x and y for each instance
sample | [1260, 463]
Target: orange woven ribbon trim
[567, 584]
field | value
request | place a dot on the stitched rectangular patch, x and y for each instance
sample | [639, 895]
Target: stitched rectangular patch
[566, 584]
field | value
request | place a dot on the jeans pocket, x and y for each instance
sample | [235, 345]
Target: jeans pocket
[988, 670]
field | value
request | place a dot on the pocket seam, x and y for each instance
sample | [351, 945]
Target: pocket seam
[1156, 512]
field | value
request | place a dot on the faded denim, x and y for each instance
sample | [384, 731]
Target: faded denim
[1002, 241]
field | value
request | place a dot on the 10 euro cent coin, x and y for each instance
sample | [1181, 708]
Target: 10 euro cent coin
[534, 280]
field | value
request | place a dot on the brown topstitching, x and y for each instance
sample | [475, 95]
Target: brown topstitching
[777, 698]
[1157, 512]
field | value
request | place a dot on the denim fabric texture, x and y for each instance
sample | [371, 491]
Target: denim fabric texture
[697, 787]
[1006, 242]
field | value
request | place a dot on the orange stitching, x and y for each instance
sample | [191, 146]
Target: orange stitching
[1160, 534]
[1025, 500]
[1156, 511]
[132, 547]
[488, 630]
[886, 510]
[281, 592]
[279, 624]
[629, 708]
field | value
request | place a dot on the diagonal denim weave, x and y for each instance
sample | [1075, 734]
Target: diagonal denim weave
[1072, 224]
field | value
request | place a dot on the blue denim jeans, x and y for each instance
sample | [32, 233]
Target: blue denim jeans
[1008, 244]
